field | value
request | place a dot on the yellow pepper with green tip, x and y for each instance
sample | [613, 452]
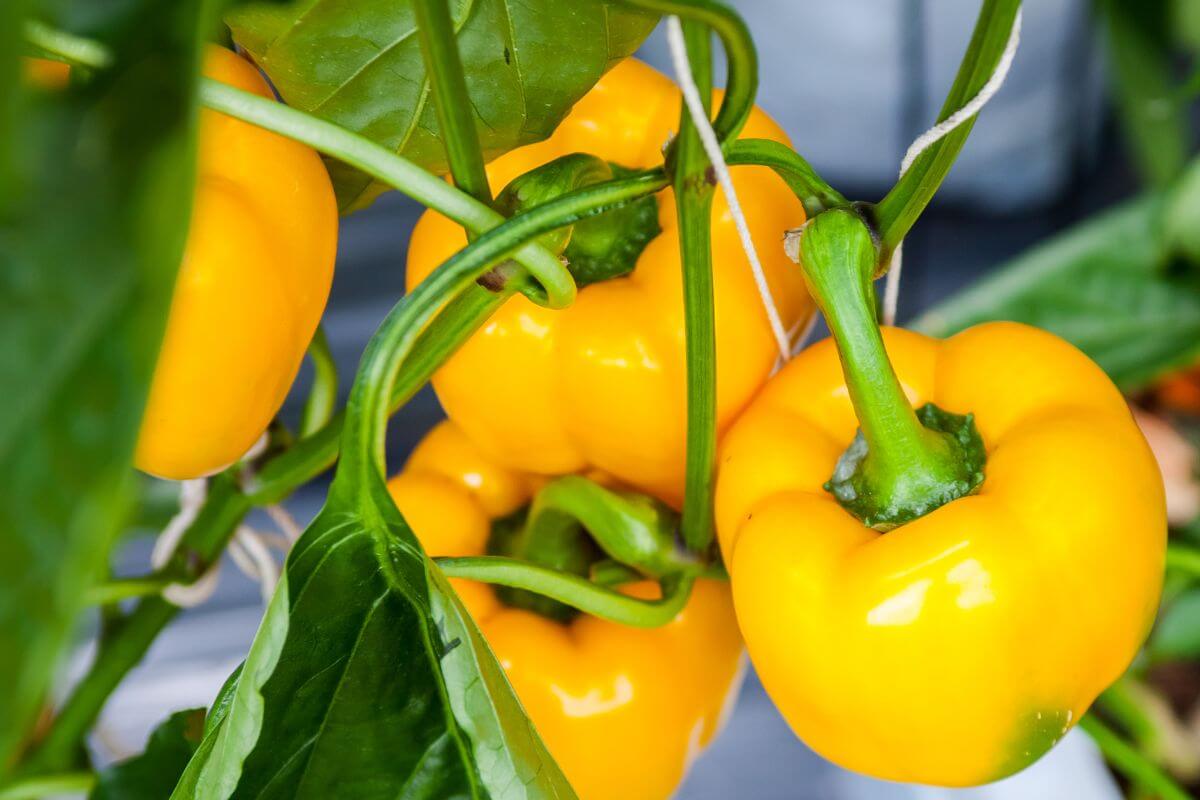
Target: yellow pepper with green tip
[603, 384]
[959, 647]
[623, 710]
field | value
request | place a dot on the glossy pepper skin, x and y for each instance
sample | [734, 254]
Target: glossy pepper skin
[622, 710]
[957, 648]
[255, 276]
[602, 384]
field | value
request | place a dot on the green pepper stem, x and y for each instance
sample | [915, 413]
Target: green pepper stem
[633, 529]
[575, 591]
[741, 82]
[444, 65]
[898, 468]
[693, 204]
[810, 188]
[839, 266]
[390, 168]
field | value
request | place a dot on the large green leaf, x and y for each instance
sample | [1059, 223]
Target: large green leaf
[151, 774]
[368, 679]
[359, 64]
[1105, 286]
[95, 190]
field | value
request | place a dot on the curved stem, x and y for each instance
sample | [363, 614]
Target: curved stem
[897, 468]
[693, 203]
[839, 262]
[741, 82]
[313, 454]
[47, 785]
[798, 174]
[573, 590]
[635, 530]
[444, 65]
[322, 397]
[394, 170]
[1130, 762]
[900, 208]
[362, 449]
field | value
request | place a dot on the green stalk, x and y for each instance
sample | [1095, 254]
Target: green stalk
[899, 467]
[379, 162]
[694, 187]
[796, 172]
[1131, 763]
[314, 453]
[444, 65]
[741, 82]
[634, 529]
[321, 403]
[896, 213]
[573, 590]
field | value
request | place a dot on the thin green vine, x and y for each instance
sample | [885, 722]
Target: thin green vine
[896, 213]
[444, 65]
[694, 188]
[574, 591]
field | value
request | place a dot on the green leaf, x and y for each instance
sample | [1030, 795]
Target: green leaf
[1177, 635]
[369, 680]
[95, 192]
[359, 64]
[152, 774]
[1104, 286]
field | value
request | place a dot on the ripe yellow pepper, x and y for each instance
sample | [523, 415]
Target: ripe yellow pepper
[602, 384]
[251, 289]
[622, 710]
[959, 647]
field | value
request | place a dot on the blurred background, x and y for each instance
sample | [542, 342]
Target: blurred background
[1046, 153]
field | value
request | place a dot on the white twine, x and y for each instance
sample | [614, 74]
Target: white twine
[712, 148]
[891, 287]
[249, 549]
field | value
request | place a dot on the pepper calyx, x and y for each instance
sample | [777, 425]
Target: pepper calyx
[859, 489]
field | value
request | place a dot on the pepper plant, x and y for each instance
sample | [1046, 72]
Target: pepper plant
[368, 676]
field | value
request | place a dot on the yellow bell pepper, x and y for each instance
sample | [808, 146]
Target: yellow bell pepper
[602, 384]
[959, 647]
[623, 710]
[255, 276]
